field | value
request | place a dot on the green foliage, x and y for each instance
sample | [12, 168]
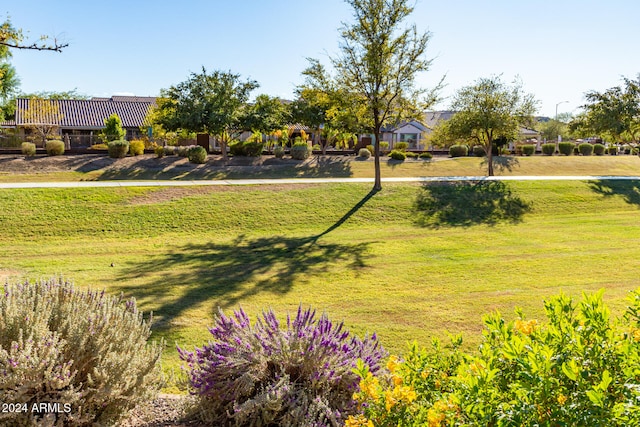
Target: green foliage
[54, 148]
[118, 149]
[112, 130]
[548, 149]
[300, 151]
[490, 111]
[278, 151]
[28, 148]
[136, 147]
[612, 150]
[411, 155]
[401, 146]
[266, 114]
[250, 148]
[159, 151]
[459, 150]
[370, 148]
[384, 147]
[479, 151]
[364, 153]
[426, 156]
[170, 150]
[528, 149]
[84, 350]
[197, 154]
[566, 148]
[183, 150]
[585, 149]
[578, 368]
[397, 155]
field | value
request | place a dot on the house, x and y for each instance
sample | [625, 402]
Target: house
[78, 122]
[411, 132]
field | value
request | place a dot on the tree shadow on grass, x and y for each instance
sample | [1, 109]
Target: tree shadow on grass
[468, 203]
[501, 163]
[231, 272]
[629, 190]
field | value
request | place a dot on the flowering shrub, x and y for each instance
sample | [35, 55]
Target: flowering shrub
[83, 351]
[136, 147]
[578, 368]
[264, 375]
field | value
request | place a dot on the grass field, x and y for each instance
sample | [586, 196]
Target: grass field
[175, 168]
[409, 262]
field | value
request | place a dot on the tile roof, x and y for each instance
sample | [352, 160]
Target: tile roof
[89, 114]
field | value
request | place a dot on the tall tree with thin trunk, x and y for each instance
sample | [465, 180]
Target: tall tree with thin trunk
[379, 61]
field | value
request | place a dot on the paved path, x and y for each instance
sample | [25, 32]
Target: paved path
[167, 183]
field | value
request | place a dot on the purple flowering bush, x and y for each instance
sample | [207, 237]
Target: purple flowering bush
[83, 352]
[298, 375]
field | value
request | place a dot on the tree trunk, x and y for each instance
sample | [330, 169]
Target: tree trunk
[490, 159]
[223, 148]
[377, 184]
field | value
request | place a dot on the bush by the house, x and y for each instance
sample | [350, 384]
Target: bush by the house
[411, 155]
[459, 150]
[478, 151]
[528, 149]
[426, 156]
[278, 151]
[585, 149]
[401, 146]
[249, 148]
[577, 368]
[598, 149]
[28, 148]
[159, 151]
[566, 148]
[83, 350]
[384, 147]
[183, 150]
[397, 155]
[612, 150]
[197, 155]
[170, 150]
[99, 147]
[371, 149]
[364, 153]
[54, 147]
[298, 375]
[118, 149]
[136, 147]
[548, 149]
[300, 151]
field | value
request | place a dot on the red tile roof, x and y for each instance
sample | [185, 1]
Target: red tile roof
[89, 114]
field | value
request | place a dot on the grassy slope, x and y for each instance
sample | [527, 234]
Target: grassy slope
[385, 267]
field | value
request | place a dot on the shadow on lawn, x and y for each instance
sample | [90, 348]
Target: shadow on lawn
[173, 167]
[468, 203]
[231, 272]
[629, 190]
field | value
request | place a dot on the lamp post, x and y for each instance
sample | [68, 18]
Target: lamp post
[556, 119]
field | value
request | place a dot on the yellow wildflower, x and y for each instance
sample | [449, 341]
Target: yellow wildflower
[636, 334]
[424, 374]
[562, 399]
[397, 380]
[370, 386]
[389, 400]
[393, 363]
[525, 327]
[358, 421]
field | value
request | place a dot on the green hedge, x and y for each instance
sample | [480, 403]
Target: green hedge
[548, 149]
[118, 149]
[585, 149]
[54, 148]
[566, 148]
[459, 150]
[528, 149]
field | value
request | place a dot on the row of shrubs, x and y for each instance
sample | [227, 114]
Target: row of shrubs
[396, 154]
[549, 149]
[91, 351]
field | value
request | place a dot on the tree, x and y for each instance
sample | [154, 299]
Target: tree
[379, 62]
[113, 130]
[614, 113]
[42, 117]
[12, 38]
[490, 110]
[212, 103]
[266, 115]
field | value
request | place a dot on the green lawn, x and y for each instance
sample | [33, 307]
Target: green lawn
[149, 168]
[410, 262]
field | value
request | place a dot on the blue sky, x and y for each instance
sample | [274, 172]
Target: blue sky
[559, 49]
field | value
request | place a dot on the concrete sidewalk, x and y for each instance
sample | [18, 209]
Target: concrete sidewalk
[166, 183]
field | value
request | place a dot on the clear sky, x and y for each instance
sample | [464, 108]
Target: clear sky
[559, 49]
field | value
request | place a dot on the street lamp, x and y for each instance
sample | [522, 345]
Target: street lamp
[559, 139]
